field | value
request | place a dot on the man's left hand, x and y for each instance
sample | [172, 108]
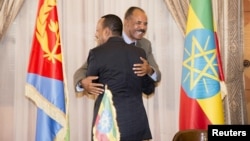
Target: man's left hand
[142, 69]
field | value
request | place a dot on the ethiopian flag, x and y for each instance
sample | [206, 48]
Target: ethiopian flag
[105, 126]
[200, 96]
[45, 82]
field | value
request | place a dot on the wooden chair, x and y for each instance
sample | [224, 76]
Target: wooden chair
[191, 135]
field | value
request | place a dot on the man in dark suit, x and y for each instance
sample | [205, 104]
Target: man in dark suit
[112, 61]
[135, 27]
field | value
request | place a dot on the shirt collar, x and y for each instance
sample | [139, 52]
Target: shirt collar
[126, 38]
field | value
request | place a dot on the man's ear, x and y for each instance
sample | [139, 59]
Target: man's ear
[107, 32]
[126, 22]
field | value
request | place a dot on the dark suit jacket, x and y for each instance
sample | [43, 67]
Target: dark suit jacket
[144, 43]
[113, 63]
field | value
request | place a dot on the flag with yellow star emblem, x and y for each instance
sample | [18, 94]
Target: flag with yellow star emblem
[45, 82]
[106, 127]
[200, 96]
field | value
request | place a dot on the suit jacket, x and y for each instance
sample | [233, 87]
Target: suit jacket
[143, 43]
[113, 62]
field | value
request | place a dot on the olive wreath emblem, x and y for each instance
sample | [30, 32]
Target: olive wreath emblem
[42, 35]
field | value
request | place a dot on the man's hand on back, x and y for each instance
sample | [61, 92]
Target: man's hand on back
[91, 87]
[143, 69]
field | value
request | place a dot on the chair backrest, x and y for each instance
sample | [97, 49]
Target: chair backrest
[191, 135]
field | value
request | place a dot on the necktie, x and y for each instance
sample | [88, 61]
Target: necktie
[133, 43]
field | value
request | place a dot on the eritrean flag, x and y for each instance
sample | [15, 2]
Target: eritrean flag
[45, 84]
[200, 99]
[106, 127]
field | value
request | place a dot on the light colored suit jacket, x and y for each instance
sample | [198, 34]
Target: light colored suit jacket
[146, 45]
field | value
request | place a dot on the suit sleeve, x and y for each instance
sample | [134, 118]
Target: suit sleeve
[148, 85]
[79, 74]
[151, 59]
